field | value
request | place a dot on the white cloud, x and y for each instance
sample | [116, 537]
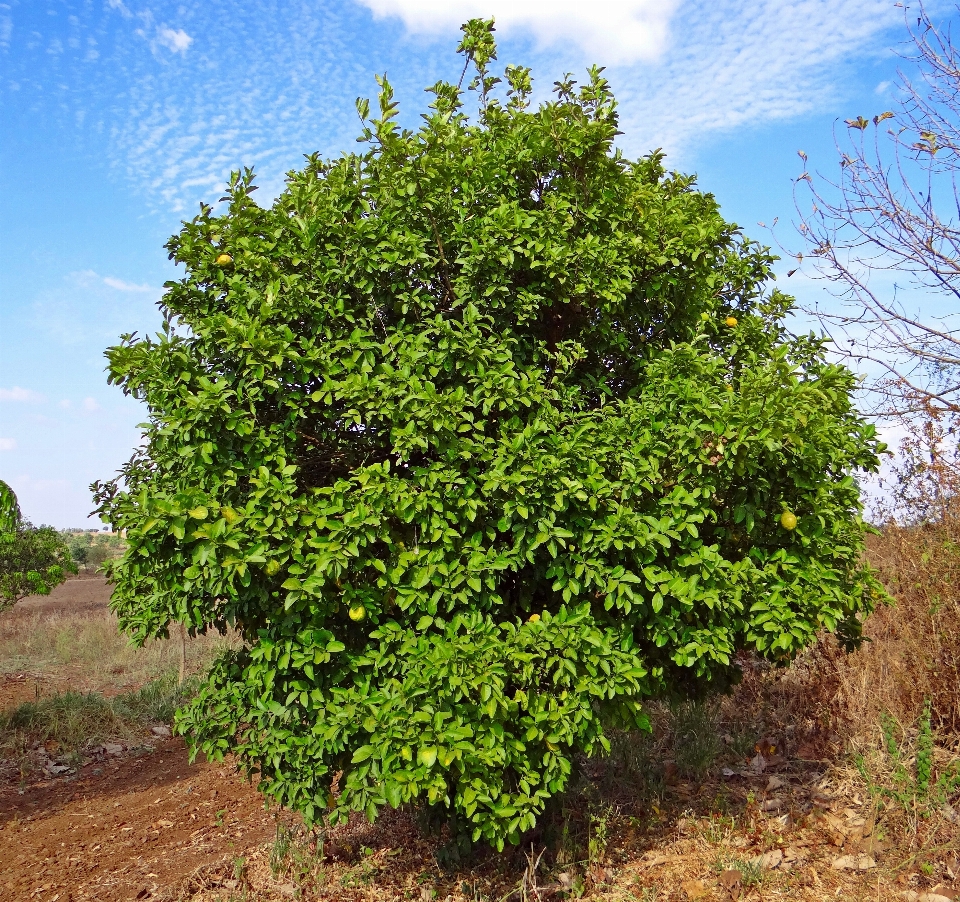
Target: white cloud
[616, 31]
[65, 404]
[90, 405]
[882, 88]
[24, 395]
[7, 444]
[121, 285]
[178, 41]
[733, 65]
[119, 6]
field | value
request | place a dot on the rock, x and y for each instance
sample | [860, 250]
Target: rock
[773, 804]
[854, 863]
[55, 770]
[769, 860]
[113, 748]
[756, 766]
[162, 731]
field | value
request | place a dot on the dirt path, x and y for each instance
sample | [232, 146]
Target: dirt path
[133, 828]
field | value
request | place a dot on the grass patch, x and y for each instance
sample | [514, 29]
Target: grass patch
[74, 720]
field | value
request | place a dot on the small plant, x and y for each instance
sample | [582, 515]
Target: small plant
[696, 738]
[599, 836]
[296, 852]
[280, 849]
[904, 772]
[751, 873]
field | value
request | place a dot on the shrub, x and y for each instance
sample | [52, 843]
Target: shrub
[481, 437]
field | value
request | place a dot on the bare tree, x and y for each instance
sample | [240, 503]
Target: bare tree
[893, 213]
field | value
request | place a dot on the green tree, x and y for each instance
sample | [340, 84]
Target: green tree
[480, 437]
[33, 559]
[97, 555]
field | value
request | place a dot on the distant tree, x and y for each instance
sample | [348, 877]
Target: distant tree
[97, 555]
[481, 437]
[79, 553]
[33, 559]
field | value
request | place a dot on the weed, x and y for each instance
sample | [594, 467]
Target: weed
[696, 738]
[904, 771]
[296, 852]
[280, 849]
[598, 836]
[751, 873]
[719, 828]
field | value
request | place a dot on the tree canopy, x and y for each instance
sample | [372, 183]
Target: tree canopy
[480, 436]
[33, 559]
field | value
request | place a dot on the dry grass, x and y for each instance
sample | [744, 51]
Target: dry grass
[85, 650]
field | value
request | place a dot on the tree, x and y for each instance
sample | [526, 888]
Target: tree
[33, 559]
[893, 212]
[481, 437]
[79, 553]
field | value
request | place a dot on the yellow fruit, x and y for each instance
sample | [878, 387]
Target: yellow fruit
[788, 520]
[224, 259]
[272, 567]
[729, 388]
[358, 612]
[731, 321]
[534, 618]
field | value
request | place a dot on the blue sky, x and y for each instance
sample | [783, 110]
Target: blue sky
[117, 117]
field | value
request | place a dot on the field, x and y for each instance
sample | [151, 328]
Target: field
[772, 793]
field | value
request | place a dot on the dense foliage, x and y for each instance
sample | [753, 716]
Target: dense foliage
[480, 437]
[33, 559]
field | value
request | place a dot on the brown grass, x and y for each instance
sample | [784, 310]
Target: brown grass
[71, 641]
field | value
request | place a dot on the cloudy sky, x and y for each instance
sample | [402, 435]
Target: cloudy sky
[117, 117]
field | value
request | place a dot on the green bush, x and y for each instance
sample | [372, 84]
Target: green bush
[33, 559]
[480, 436]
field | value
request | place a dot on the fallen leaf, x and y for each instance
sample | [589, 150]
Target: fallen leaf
[769, 860]
[854, 863]
[945, 891]
[695, 889]
[732, 881]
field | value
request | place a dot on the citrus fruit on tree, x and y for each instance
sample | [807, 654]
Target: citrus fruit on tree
[357, 612]
[788, 520]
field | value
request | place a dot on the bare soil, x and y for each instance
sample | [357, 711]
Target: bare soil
[132, 828]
